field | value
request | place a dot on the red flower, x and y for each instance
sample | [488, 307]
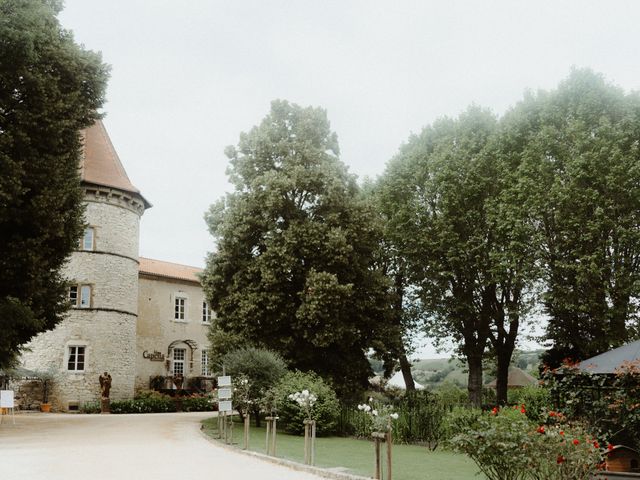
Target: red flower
[522, 410]
[552, 413]
[540, 429]
[560, 459]
[576, 441]
[596, 444]
[610, 447]
[494, 410]
[561, 432]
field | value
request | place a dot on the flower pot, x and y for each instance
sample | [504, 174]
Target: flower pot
[45, 407]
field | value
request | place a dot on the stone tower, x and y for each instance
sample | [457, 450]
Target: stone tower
[99, 332]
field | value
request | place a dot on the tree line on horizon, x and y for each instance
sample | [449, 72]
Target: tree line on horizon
[477, 226]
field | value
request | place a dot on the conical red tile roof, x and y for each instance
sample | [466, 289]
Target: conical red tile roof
[100, 163]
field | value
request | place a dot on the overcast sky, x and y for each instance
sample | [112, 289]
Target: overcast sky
[188, 76]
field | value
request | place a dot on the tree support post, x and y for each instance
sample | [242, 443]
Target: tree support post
[246, 431]
[309, 442]
[271, 435]
[378, 438]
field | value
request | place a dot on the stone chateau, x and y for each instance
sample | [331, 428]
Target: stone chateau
[138, 319]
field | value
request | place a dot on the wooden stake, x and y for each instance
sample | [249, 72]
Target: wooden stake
[246, 431]
[389, 454]
[313, 442]
[266, 446]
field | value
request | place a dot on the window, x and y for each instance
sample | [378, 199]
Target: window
[86, 243]
[80, 296]
[180, 308]
[178, 360]
[206, 372]
[85, 296]
[206, 313]
[76, 358]
[73, 295]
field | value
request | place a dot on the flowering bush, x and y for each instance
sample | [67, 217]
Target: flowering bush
[506, 445]
[381, 415]
[306, 400]
[610, 405]
[242, 400]
[325, 407]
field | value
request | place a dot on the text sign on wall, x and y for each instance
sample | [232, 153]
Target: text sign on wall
[6, 399]
[224, 381]
[224, 406]
[224, 393]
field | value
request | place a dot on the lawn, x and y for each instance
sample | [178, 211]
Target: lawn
[410, 462]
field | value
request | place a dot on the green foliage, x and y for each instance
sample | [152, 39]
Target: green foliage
[465, 244]
[294, 270]
[421, 419]
[506, 445]
[91, 407]
[263, 368]
[537, 399]
[325, 410]
[51, 89]
[610, 405]
[154, 402]
[198, 403]
[452, 395]
[576, 153]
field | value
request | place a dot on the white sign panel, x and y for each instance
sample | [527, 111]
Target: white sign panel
[6, 399]
[224, 393]
[224, 381]
[225, 406]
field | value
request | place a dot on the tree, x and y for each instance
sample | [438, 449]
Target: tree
[579, 158]
[465, 248]
[405, 312]
[261, 367]
[50, 88]
[294, 269]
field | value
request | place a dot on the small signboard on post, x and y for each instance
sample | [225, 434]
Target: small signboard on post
[225, 407]
[224, 381]
[6, 399]
[7, 402]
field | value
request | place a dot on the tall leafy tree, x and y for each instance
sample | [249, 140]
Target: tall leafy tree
[50, 88]
[294, 269]
[579, 157]
[465, 249]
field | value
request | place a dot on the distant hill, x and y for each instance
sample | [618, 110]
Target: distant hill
[432, 372]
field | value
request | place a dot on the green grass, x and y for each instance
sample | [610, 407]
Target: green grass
[410, 462]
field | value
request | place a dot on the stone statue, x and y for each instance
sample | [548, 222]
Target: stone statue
[105, 384]
[178, 379]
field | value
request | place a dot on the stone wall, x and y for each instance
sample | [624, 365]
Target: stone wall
[157, 328]
[107, 329]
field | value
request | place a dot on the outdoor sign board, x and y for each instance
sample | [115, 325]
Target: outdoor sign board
[224, 381]
[224, 393]
[224, 406]
[6, 399]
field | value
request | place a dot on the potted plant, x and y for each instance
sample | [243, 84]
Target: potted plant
[47, 381]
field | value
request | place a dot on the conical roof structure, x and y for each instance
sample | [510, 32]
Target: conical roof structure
[517, 378]
[609, 361]
[101, 165]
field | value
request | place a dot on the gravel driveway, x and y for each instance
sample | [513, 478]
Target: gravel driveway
[165, 446]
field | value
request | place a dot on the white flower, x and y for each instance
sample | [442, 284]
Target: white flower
[370, 399]
[374, 413]
[394, 416]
